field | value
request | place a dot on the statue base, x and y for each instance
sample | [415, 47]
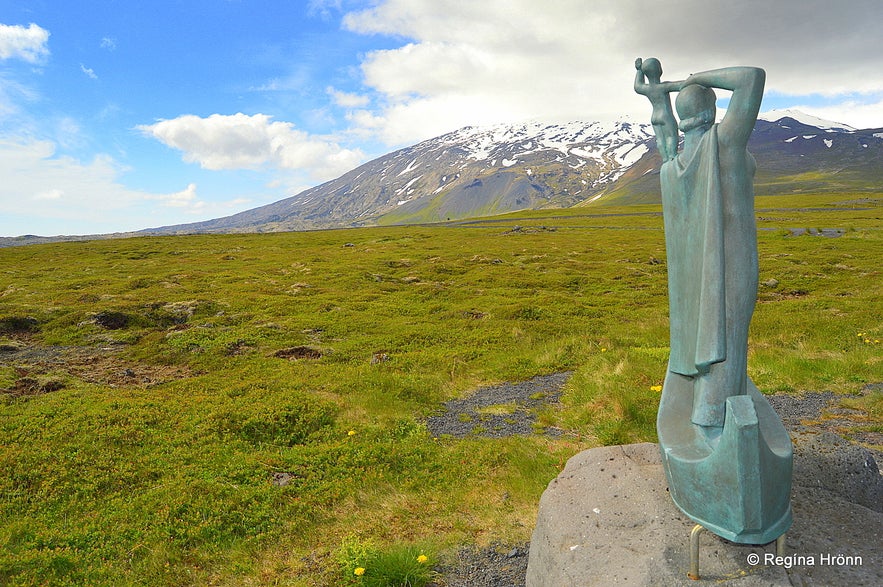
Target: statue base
[736, 480]
[607, 519]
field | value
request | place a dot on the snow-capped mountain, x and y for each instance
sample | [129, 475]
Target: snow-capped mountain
[800, 153]
[795, 153]
[481, 171]
[465, 173]
[806, 119]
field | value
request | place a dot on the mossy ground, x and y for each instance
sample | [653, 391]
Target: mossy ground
[171, 400]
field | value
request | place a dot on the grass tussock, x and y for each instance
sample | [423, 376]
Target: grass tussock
[248, 409]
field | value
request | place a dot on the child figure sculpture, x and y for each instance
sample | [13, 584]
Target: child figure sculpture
[664, 124]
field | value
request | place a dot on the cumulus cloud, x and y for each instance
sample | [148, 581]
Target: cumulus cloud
[504, 60]
[30, 44]
[240, 141]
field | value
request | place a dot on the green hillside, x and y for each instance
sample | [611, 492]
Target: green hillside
[250, 409]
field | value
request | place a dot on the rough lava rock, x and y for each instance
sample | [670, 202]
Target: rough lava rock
[607, 519]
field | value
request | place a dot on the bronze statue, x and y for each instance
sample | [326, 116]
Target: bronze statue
[726, 454]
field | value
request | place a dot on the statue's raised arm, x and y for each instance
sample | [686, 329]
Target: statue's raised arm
[747, 84]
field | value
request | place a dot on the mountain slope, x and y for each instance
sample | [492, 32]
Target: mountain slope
[469, 172]
[481, 171]
[795, 156]
[795, 153]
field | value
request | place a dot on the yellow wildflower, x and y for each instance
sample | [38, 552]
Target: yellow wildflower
[422, 559]
[359, 571]
[351, 433]
[655, 388]
[603, 350]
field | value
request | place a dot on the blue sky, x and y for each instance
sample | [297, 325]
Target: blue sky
[122, 115]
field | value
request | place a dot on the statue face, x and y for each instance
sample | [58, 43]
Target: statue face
[695, 99]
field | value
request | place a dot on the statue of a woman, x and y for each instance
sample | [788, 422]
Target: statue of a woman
[711, 238]
[725, 452]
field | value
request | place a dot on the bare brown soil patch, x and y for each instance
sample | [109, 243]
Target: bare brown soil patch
[42, 369]
[298, 352]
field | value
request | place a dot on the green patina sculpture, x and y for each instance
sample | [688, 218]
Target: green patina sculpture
[726, 453]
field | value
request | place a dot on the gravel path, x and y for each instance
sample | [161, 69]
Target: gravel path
[501, 410]
[497, 565]
[500, 565]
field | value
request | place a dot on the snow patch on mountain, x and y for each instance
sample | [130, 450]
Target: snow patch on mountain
[480, 143]
[803, 118]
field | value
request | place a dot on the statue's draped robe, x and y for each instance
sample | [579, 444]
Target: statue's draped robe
[711, 245]
[693, 212]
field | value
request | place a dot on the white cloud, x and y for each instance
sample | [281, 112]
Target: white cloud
[293, 82]
[108, 43]
[506, 60]
[323, 8]
[852, 112]
[30, 44]
[186, 198]
[495, 61]
[43, 193]
[12, 94]
[88, 71]
[240, 141]
[347, 100]
[53, 194]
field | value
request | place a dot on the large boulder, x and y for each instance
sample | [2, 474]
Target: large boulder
[607, 519]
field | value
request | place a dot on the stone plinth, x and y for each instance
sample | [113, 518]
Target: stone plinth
[607, 519]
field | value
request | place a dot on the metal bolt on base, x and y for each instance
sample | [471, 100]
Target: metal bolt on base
[694, 550]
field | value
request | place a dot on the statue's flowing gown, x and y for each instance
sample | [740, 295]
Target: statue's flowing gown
[711, 247]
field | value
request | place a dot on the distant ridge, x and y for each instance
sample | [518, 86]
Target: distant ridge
[805, 119]
[480, 171]
[795, 153]
[469, 172]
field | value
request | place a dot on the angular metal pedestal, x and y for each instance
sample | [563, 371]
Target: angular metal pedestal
[736, 480]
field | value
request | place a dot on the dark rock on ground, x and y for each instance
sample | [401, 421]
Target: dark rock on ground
[298, 352]
[498, 565]
[111, 320]
[15, 324]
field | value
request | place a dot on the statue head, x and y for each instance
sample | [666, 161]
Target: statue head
[652, 68]
[696, 107]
